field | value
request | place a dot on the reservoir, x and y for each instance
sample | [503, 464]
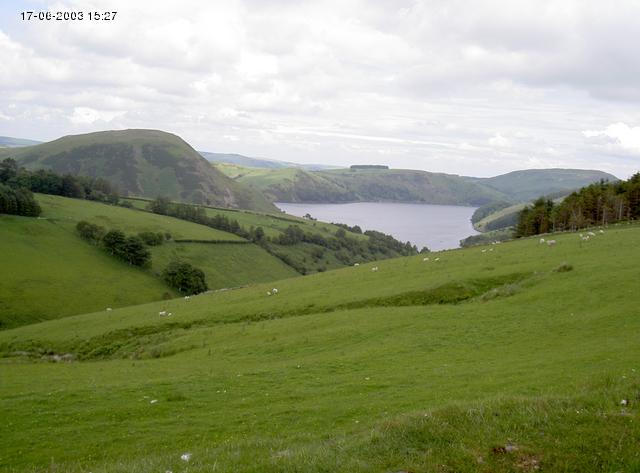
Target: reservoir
[437, 227]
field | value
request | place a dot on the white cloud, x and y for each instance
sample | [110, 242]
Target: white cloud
[88, 116]
[499, 141]
[628, 138]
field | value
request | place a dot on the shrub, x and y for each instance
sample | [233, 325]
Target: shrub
[185, 278]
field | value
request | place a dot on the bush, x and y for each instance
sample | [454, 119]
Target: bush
[90, 231]
[185, 278]
[151, 238]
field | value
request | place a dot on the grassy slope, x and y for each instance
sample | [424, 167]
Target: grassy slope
[142, 162]
[344, 185]
[541, 364]
[532, 183]
[49, 272]
[48, 261]
[226, 265]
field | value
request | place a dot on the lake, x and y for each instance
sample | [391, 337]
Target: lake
[437, 227]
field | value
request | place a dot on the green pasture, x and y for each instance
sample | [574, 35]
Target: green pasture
[509, 357]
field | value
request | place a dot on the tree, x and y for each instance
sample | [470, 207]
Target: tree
[184, 277]
[90, 231]
[135, 252]
[113, 242]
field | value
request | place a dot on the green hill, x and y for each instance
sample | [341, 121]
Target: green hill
[515, 358]
[246, 161]
[348, 185]
[10, 142]
[48, 271]
[143, 163]
[529, 184]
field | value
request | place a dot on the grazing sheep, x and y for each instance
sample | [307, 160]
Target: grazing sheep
[586, 238]
[357, 264]
[541, 241]
[186, 298]
[551, 242]
[274, 290]
[268, 293]
[425, 259]
[109, 309]
[591, 234]
[601, 231]
[484, 251]
[374, 269]
[490, 249]
[162, 313]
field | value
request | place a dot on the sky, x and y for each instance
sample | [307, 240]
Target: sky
[474, 88]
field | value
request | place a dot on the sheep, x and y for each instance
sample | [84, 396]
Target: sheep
[586, 238]
[591, 234]
[374, 269]
[274, 291]
[162, 313]
[186, 298]
[541, 241]
[601, 232]
[484, 251]
[109, 309]
[551, 242]
[357, 264]
[268, 293]
[425, 259]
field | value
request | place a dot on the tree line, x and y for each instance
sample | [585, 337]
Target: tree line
[347, 250]
[597, 204]
[18, 185]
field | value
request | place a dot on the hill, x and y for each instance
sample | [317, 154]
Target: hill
[263, 163]
[514, 359]
[371, 185]
[48, 262]
[10, 142]
[144, 163]
[529, 184]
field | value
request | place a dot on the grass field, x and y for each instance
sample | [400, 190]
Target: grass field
[50, 272]
[515, 358]
[225, 265]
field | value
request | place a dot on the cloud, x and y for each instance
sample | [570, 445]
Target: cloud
[619, 134]
[425, 84]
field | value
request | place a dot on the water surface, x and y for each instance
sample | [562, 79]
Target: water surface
[437, 227]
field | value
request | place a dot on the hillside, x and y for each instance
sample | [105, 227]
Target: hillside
[48, 261]
[10, 142]
[143, 163]
[246, 161]
[371, 185]
[529, 184]
[512, 357]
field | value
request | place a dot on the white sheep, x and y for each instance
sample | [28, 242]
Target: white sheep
[551, 242]
[586, 238]
[357, 264]
[541, 241]
[437, 259]
[162, 313]
[484, 251]
[601, 231]
[274, 290]
[268, 293]
[109, 309]
[374, 269]
[591, 234]
[186, 298]
[425, 259]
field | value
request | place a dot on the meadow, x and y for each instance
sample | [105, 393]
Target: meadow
[48, 262]
[509, 357]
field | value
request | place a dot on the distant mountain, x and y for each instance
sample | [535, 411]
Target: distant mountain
[359, 185]
[146, 163]
[261, 163]
[9, 142]
[529, 184]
